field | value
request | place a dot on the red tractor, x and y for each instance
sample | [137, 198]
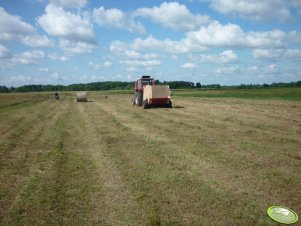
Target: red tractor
[148, 94]
[139, 86]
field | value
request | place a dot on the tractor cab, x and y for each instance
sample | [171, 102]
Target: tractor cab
[145, 80]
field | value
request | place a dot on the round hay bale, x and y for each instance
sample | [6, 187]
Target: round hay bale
[81, 97]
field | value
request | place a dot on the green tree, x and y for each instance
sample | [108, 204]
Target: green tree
[4, 89]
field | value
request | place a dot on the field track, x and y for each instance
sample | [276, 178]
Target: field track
[105, 162]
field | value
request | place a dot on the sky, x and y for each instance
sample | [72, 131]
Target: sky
[208, 41]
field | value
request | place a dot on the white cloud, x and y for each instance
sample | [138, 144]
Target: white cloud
[4, 52]
[252, 69]
[273, 66]
[71, 48]
[37, 41]
[295, 36]
[107, 64]
[69, 3]
[117, 19]
[173, 15]
[265, 53]
[166, 45]
[19, 78]
[5, 58]
[297, 5]
[55, 75]
[269, 70]
[132, 69]
[66, 25]
[228, 56]
[131, 53]
[292, 54]
[136, 55]
[174, 57]
[149, 56]
[133, 58]
[13, 25]
[189, 66]
[213, 35]
[55, 56]
[94, 65]
[277, 54]
[227, 70]
[256, 9]
[44, 69]
[28, 57]
[141, 63]
[12, 28]
[232, 35]
[225, 57]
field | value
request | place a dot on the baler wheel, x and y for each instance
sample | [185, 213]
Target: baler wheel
[169, 105]
[145, 104]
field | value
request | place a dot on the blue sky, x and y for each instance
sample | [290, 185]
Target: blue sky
[208, 41]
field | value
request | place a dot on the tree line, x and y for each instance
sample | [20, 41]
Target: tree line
[116, 85]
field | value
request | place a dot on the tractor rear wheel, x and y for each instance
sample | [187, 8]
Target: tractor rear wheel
[139, 98]
[145, 104]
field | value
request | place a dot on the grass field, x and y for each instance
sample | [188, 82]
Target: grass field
[208, 161]
[293, 93]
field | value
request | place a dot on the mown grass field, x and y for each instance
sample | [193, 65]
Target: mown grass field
[207, 161]
[293, 93]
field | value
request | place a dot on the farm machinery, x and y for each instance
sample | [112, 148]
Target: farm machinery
[148, 94]
[56, 96]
